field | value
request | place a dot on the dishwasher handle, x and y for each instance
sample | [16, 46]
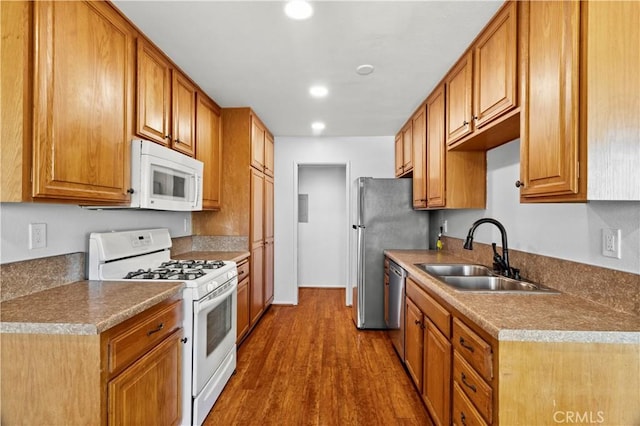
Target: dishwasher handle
[397, 270]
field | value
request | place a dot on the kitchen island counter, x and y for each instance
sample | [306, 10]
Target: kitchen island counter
[83, 307]
[524, 317]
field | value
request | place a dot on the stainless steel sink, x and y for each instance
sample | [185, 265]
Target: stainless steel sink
[454, 269]
[478, 278]
[494, 284]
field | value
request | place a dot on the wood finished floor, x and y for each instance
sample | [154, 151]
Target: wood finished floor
[309, 365]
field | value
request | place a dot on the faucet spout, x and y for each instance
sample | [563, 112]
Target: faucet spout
[504, 259]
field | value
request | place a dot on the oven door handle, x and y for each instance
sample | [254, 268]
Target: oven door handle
[209, 301]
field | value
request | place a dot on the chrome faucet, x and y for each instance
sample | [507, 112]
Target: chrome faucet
[500, 263]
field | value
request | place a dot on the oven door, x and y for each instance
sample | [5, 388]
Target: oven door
[214, 332]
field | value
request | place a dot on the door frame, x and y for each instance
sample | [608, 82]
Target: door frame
[347, 186]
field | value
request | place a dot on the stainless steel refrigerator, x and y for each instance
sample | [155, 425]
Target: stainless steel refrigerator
[383, 219]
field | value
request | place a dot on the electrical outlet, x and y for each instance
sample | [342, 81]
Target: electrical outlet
[444, 227]
[611, 242]
[37, 235]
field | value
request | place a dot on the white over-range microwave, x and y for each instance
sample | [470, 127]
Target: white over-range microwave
[162, 179]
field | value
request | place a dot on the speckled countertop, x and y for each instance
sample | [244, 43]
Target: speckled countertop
[525, 317]
[235, 256]
[82, 308]
[91, 307]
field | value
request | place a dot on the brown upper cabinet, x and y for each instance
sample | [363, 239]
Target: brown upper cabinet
[58, 145]
[453, 179]
[81, 137]
[268, 154]
[166, 110]
[482, 88]
[209, 150]
[398, 154]
[404, 150]
[588, 145]
[419, 141]
[261, 147]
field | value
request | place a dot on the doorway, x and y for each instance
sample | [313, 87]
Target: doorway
[321, 226]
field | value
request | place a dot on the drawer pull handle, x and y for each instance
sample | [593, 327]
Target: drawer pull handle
[464, 380]
[465, 345]
[155, 330]
[463, 418]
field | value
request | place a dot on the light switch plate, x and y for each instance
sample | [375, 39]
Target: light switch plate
[611, 242]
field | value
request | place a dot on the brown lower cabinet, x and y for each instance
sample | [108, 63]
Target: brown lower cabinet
[97, 379]
[433, 339]
[465, 376]
[243, 300]
[428, 351]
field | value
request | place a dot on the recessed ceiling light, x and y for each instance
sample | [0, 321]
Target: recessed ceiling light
[365, 69]
[298, 9]
[318, 91]
[318, 126]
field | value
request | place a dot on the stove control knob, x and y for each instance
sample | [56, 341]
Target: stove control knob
[209, 287]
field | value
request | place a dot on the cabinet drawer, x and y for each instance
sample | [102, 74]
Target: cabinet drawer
[478, 391]
[143, 333]
[243, 270]
[463, 412]
[430, 307]
[473, 348]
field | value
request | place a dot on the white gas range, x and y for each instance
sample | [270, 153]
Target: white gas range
[209, 303]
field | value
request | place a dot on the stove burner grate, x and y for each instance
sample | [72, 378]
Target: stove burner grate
[165, 273]
[193, 264]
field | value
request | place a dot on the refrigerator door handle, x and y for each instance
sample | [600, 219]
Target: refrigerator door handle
[360, 276]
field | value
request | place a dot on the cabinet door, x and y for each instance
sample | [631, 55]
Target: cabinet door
[419, 135]
[495, 64]
[83, 101]
[399, 154]
[458, 88]
[256, 230]
[268, 240]
[156, 374]
[153, 94]
[209, 150]
[243, 309]
[257, 144]
[268, 208]
[436, 149]
[257, 283]
[407, 148]
[550, 93]
[437, 374]
[257, 244]
[183, 114]
[268, 272]
[268, 154]
[414, 341]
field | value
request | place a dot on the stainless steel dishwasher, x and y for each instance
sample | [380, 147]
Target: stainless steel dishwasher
[395, 306]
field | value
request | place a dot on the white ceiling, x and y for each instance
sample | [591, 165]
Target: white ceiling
[248, 53]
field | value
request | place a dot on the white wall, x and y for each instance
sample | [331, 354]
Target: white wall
[566, 231]
[364, 156]
[322, 240]
[68, 227]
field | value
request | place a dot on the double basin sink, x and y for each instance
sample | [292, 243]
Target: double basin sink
[478, 278]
